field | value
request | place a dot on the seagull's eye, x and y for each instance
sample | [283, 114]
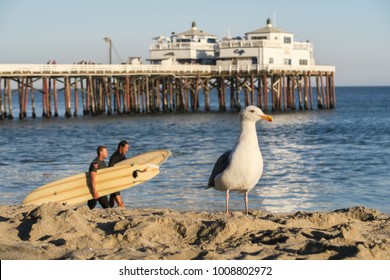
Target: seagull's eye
[252, 111]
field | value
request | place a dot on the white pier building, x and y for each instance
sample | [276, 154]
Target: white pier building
[193, 46]
[267, 46]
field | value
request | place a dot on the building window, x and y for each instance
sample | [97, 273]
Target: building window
[287, 61]
[259, 37]
[183, 40]
[271, 60]
[303, 62]
[287, 40]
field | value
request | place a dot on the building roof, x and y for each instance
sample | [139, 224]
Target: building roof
[194, 32]
[267, 29]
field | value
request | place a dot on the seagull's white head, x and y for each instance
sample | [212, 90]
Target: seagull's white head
[254, 113]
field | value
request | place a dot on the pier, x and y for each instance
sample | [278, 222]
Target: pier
[147, 88]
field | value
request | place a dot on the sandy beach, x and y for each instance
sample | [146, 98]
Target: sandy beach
[56, 231]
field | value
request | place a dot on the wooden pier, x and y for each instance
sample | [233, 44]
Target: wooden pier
[125, 89]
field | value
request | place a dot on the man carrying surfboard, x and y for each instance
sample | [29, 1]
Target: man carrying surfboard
[119, 155]
[98, 163]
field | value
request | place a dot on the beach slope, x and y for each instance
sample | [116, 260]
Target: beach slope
[56, 231]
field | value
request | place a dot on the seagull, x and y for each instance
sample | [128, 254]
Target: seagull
[241, 168]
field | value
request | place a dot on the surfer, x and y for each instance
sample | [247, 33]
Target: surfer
[119, 155]
[98, 163]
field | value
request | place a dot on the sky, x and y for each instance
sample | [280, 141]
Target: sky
[353, 35]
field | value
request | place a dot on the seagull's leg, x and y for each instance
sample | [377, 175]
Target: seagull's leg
[246, 203]
[227, 202]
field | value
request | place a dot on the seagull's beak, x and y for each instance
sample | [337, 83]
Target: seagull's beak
[267, 118]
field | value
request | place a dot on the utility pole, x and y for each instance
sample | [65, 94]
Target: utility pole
[108, 40]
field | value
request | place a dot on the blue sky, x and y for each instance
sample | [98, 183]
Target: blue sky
[352, 35]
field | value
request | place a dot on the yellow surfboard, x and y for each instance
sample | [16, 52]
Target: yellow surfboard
[157, 157]
[76, 189]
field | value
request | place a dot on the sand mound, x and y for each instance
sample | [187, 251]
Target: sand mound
[56, 231]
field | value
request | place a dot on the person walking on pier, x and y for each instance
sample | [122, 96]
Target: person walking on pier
[119, 155]
[98, 163]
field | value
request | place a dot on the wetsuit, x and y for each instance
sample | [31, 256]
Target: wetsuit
[115, 158]
[103, 200]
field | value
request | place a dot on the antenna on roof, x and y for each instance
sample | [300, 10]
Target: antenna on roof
[274, 19]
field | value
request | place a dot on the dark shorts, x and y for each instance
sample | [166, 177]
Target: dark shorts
[115, 194]
[103, 201]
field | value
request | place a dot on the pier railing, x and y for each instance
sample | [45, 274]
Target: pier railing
[26, 70]
[182, 46]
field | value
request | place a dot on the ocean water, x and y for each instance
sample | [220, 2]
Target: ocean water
[313, 160]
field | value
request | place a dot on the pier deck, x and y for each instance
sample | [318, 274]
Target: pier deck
[62, 70]
[125, 88]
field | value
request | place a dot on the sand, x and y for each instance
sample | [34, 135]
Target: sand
[56, 231]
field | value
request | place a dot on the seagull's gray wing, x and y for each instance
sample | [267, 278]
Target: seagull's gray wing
[221, 164]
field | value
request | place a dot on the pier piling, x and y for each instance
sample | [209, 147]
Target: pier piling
[147, 90]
